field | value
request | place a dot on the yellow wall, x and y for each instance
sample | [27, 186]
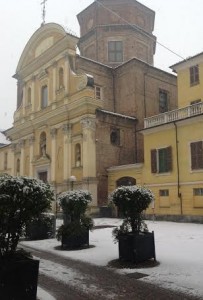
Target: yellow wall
[125, 171]
[186, 92]
[187, 131]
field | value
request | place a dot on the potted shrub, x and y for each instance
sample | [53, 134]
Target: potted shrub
[22, 199]
[74, 233]
[40, 228]
[136, 244]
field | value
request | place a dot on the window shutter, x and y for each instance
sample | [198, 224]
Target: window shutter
[193, 155]
[196, 155]
[201, 155]
[169, 158]
[153, 161]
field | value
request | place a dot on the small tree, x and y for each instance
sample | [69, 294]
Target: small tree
[74, 205]
[131, 201]
[22, 199]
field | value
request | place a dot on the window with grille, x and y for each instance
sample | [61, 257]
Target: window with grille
[194, 75]
[161, 160]
[115, 51]
[198, 192]
[196, 155]
[163, 101]
[97, 90]
[163, 193]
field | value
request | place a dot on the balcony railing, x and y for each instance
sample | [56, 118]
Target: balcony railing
[174, 115]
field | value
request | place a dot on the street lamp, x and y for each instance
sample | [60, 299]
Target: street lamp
[72, 180]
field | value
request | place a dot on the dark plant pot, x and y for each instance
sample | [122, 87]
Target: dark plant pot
[75, 241]
[18, 279]
[105, 212]
[137, 247]
[43, 228]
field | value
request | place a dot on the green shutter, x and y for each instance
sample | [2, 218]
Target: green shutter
[153, 161]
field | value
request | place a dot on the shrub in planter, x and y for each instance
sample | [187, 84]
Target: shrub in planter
[43, 227]
[135, 242]
[74, 233]
[22, 199]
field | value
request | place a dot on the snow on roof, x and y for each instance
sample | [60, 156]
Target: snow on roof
[116, 114]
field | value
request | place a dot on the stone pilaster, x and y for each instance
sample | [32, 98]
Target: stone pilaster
[12, 158]
[53, 133]
[66, 74]
[33, 94]
[54, 87]
[67, 151]
[31, 144]
[24, 99]
[89, 157]
[22, 156]
[89, 149]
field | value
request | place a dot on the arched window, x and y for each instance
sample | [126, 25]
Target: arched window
[44, 96]
[77, 155]
[125, 181]
[43, 144]
[61, 78]
[18, 166]
[29, 96]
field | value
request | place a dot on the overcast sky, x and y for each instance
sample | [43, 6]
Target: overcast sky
[178, 26]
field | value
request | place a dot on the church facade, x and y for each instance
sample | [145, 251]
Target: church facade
[78, 115]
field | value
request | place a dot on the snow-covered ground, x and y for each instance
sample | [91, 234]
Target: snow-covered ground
[179, 249]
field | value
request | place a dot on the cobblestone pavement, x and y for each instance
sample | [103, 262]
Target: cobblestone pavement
[100, 283]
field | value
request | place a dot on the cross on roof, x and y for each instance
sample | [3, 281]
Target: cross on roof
[43, 11]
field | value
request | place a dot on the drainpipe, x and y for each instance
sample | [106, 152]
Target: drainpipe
[178, 169]
[145, 108]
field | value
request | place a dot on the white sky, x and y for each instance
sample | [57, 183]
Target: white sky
[178, 26]
[178, 249]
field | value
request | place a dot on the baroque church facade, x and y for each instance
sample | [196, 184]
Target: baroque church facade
[80, 114]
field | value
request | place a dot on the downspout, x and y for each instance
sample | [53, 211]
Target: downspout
[178, 170]
[145, 108]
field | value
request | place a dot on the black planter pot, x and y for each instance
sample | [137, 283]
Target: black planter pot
[105, 212]
[75, 241]
[18, 279]
[43, 228]
[137, 247]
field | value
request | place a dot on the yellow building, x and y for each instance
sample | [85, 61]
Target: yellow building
[173, 148]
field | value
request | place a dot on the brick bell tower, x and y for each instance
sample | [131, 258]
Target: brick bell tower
[114, 31]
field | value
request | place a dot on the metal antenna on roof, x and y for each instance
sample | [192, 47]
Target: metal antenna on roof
[43, 11]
